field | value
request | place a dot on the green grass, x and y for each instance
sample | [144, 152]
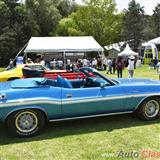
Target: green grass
[141, 72]
[88, 139]
[2, 69]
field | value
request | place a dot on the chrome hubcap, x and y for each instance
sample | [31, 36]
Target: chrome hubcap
[26, 121]
[152, 108]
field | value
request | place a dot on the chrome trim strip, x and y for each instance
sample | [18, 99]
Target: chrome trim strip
[97, 115]
[33, 101]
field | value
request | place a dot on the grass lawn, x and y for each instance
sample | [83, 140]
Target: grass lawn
[141, 72]
[2, 69]
[87, 139]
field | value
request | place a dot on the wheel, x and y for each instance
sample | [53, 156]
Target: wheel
[25, 123]
[149, 109]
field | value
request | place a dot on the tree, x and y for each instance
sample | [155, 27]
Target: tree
[97, 18]
[4, 16]
[20, 21]
[7, 41]
[66, 7]
[148, 29]
[45, 15]
[132, 29]
[68, 27]
[156, 20]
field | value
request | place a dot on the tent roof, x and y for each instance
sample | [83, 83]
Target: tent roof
[63, 44]
[128, 52]
[155, 40]
[115, 46]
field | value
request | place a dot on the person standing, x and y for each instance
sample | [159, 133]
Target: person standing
[68, 64]
[130, 67]
[155, 61]
[85, 62]
[104, 63]
[109, 66]
[119, 66]
[11, 64]
[94, 62]
[114, 65]
[99, 63]
[42, 62]
[29, 61]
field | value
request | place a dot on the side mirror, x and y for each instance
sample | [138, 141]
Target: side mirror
[102, 85]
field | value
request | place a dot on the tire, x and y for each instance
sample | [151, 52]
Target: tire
[25, 123]
[149, 109]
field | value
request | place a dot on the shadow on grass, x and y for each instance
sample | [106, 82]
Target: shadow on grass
[77, 127]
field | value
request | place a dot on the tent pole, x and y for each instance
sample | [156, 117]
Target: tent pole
[22, 49]
[25, 56]
[64, 59]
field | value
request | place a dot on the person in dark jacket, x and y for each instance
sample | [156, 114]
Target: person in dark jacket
[155, 61]
[119, 66]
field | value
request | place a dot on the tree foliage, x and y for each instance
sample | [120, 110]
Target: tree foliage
[156, 20]
[132, 28]
[18, 22]
[97, 18]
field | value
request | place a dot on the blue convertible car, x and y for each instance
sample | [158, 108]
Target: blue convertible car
[27, 104]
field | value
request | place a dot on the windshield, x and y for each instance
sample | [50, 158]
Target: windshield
[33, 67]
[91, 72]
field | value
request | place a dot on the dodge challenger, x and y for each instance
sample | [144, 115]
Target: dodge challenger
[26, 105]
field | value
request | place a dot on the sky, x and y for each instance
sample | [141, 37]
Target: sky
[149, 5]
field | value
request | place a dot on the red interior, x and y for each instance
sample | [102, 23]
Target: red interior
[65, 74]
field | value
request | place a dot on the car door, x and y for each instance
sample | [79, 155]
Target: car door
[90, 101]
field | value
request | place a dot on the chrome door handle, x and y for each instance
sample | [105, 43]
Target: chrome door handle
[69, 95]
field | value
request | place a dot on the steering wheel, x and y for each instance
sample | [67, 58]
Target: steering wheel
[89, 82]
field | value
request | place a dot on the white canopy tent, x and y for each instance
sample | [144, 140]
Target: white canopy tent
[62, 44]
[155, 40]
[151, 45]
[128, 52]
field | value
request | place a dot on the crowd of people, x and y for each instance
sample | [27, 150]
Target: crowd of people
[111, 66]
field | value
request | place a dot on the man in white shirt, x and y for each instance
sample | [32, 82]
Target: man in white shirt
[131, 66]
[85, 62]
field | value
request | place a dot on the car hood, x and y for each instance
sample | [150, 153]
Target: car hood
[136, 81]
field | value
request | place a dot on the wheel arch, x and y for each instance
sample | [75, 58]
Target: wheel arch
[145, 98]
[25, 108]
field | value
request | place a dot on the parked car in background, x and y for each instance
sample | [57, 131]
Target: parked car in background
[26, 105]
[16, 72]
[36, 70]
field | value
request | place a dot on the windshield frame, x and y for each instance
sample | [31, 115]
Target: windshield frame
[84, 70]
